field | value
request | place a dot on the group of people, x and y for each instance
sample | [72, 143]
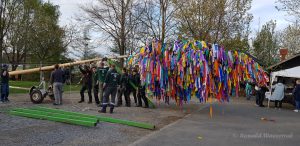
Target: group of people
[105, 81]
[108, 82]
[278, 93]
[131, 83]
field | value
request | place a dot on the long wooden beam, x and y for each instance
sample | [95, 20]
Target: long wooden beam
[47, 68]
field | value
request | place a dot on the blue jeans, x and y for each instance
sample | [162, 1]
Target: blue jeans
[297, 105]
[4, 91]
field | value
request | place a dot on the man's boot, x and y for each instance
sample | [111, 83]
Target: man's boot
[146, 102]
[103, 110]
[111, 110]
[119, 104]
[128, 104]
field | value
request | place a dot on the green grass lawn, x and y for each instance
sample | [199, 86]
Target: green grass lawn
[29, 84]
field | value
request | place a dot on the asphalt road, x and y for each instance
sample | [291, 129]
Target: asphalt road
[238, 123]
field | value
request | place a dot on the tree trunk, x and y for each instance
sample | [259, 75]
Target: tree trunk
[123, 37]
[41, 72]
[163, 8]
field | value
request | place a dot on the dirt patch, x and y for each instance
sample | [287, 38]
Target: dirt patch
[24, 130]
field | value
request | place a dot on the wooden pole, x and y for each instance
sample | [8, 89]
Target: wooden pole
[47, 68]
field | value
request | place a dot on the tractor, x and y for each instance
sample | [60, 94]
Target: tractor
[37, 94]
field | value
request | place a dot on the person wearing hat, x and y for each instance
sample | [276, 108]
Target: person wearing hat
[4, 84]
[111, 83]
[86, 83]
[102, 71]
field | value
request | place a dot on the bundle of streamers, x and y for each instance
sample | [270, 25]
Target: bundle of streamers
[185, 69]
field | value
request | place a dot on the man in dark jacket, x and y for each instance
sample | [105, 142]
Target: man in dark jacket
[141, 92]
[56, 80]
[112, 81]
[102, 71]
[262, 92]
[124, 88]
[297, 96]
[96, 84]
[134, 80]
[86, 83]
[4, 84]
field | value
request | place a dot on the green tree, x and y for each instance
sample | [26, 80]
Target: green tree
[266, 44]
[46, 36]
[223, 21]
[17, 34]
[8, 12]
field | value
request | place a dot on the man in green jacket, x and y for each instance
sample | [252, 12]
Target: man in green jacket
[102, 71]
[111, 83]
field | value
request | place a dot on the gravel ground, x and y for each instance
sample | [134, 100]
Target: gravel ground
[25, 131]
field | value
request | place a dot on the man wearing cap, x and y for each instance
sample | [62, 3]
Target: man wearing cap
[102, 71]
[111, 83]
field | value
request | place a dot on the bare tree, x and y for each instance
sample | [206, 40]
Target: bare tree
[114, 18]
[290, 6]
[158, 19]
[81, 46]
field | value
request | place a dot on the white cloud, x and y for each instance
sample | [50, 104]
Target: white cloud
[264, 11]
[69, 9]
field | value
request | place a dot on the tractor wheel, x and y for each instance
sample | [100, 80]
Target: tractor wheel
[36, 97]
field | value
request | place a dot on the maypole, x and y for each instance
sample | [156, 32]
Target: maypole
[47, 68]
[185, 69]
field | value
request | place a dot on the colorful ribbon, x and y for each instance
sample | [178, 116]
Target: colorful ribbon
[186, 69]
